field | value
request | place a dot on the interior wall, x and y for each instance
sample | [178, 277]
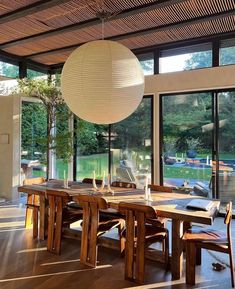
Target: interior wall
[9, 146]
[184, 81]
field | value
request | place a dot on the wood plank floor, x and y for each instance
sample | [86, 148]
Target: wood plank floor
[25, 263]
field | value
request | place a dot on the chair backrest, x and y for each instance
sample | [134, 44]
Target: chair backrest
[123, 185]
[99, 202]
[90, 181]
[136, 209]
[34, 181]
[158, 188]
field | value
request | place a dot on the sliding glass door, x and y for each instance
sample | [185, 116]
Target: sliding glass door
[187, 140]
[198, 142]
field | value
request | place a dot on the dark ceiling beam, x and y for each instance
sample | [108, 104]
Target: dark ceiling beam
[147, 31]
[14, 59]
[92, 22]
[57, 67]
[30, 9]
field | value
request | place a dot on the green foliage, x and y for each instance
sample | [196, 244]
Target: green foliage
[9, 70]
[91, 138]
[34, 130]
[48, 126]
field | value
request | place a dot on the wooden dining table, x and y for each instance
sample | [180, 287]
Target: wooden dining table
[167, 205]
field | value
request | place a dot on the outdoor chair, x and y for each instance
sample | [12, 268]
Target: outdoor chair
[92, 230]
[197, 239]
[139, 235]
[90, 181]
[32, 206]
[121, 184]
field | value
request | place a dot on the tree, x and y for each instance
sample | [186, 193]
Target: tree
[50, 96]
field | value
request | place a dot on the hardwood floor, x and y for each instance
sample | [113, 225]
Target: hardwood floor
[25, 263]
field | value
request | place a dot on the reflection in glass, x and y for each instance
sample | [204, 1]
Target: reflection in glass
[226, 166]
[92, 149]
[131, 146]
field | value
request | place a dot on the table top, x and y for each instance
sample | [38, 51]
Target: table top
[167, 205]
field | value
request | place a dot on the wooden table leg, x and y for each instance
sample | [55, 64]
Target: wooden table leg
[43, 219]
[177, 249]
[51, 222]
[190, 263]
[85, 234]
[58, 225]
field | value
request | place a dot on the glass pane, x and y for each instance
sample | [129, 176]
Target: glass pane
[9, 70]
[227, 55]
[131, 146]
[33, 73]
[92, 150]
[63, 141]
[33, 140]
[185, 61]
[226, 183]
[187, 141]
[147, 63]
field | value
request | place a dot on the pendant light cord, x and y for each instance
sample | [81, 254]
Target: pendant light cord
[102, 28]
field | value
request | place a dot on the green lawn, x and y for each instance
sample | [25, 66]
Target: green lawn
[187, 173]
[99, 162]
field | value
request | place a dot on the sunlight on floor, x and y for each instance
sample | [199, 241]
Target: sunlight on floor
[54, 274]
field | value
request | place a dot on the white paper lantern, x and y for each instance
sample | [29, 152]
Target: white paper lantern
[102, 82]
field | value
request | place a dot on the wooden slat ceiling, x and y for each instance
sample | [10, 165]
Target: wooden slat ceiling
[48, 31]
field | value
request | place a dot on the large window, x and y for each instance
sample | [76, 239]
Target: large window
[33, 139]
[186, 58]
[227, 52]
[198, 147]
[124, 149]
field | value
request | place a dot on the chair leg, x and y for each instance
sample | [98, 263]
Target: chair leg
[35, 222]
[231, 266]
[190, 263]
[93, 246]
[129, 250]
[140, 249]
[166, 251]
[121, 238]
[198, 256]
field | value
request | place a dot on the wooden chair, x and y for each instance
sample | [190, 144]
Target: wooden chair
[90, 181]
[159, 188]
[197, 239]
[140, 235]
[33, 206]
[61, 216]
[94, 225]
[123, 185]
